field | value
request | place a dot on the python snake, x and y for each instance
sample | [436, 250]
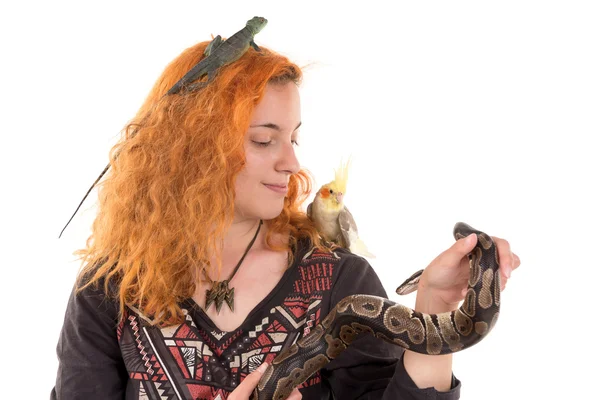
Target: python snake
[432, 334]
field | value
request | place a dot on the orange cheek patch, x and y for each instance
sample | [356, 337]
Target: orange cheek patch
[325, 193]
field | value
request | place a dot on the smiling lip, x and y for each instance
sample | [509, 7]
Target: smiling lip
[281, 189]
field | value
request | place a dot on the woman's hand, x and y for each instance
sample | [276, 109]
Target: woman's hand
[443, 284]
[245, 389]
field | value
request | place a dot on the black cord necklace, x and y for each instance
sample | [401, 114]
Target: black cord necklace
[220, 291]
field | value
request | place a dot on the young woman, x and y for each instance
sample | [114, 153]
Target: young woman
[202, 266]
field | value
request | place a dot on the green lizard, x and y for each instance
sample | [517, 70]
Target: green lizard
[218, 53]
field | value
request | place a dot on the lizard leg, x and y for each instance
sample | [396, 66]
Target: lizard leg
[200, 85]
[254, 45]
[216, 42]
[196, 86]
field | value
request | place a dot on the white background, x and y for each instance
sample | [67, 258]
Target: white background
[452, 111]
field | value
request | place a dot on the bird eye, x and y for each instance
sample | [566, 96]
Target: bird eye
[331, 191]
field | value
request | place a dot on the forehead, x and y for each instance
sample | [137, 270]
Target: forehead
[280, 104]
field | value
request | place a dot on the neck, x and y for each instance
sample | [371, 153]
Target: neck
[235, 243]
[240, 234]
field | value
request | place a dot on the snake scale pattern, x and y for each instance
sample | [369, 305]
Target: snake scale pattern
[433, 334]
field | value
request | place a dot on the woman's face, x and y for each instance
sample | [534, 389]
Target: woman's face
[270, 155]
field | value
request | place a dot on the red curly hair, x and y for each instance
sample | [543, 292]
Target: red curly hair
[168, 200]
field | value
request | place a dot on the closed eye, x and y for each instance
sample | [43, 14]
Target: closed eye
[265, 144]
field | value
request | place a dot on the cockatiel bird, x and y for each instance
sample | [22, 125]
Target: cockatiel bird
[332, 217]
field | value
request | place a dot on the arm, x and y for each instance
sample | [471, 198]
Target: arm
[441, 288]
[425, 370]
[369, 368]
[90, 363]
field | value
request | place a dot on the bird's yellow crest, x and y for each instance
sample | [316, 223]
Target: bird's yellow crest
[341, 176]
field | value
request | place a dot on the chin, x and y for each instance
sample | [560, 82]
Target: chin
[262, 212]
[270, 214]
[269, 209]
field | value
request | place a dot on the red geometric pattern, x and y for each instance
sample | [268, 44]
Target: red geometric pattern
[196, 362]
[314, 277]
[217, 346]
[203, 392]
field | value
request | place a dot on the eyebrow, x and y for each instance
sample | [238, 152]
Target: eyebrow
[271, 125]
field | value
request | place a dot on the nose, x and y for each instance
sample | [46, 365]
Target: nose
[288, 162]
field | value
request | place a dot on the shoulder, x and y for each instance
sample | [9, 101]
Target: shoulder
[354, 270]
[96, 295]
[307, 252]
[88, 284]
[89, 308]
[340, 264]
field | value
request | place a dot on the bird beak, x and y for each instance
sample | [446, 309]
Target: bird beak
[339, 197]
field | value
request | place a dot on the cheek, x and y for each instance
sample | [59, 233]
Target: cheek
[325, 193]
[243, 185]
[252, 164]
[247, 187]
[256, 170]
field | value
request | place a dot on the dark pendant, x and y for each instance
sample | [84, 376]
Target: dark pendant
[219, 292]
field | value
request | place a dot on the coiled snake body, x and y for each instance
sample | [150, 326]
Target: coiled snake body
[442, 333]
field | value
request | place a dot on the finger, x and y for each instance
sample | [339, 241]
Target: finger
[459, 250]
[505, 256]
[244, 390]
[517, 261]
[295, 395]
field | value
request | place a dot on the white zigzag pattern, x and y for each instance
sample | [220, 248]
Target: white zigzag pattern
[140, 346]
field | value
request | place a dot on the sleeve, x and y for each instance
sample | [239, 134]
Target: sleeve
[370, 368]
[90, 365]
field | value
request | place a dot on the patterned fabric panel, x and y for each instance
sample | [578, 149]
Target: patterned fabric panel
[188, 361]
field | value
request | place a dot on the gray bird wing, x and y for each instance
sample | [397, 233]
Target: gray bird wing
[309, 211]
[347, 227]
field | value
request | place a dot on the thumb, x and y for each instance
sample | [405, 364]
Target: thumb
[244, 390]
[460, 249]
